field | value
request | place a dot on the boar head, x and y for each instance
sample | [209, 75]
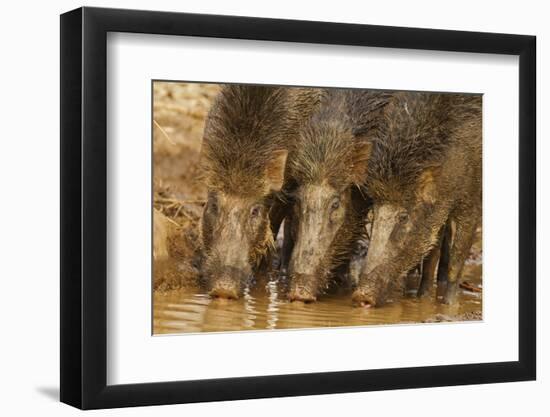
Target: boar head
[236, 233]
[404, 229]
[327, 206]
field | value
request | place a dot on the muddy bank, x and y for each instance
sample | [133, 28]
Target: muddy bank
[175, 248]
[179, 113]
[468, 316]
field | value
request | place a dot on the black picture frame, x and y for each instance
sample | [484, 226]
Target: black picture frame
[84, 207]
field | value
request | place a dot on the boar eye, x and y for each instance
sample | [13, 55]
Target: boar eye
[335, 204]
[255, 211]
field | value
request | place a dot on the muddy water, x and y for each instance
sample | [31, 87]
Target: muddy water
[184, 310]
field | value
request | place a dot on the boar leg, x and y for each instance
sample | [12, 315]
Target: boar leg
[444, 258]
[431, 261]
[276, 216]
[288, 245]
[428, 271]
[443, 269]
[462, 242]
[412, 279]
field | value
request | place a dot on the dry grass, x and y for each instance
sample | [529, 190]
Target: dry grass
[179, 113]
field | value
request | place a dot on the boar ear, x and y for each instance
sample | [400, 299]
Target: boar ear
[275, 170]
[360, 159]
[427, 190]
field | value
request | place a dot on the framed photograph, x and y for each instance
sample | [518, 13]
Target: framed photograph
[259, 208]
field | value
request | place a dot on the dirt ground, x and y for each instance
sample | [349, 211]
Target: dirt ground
[179, 113]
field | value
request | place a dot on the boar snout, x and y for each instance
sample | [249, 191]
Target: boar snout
[225, 290]
[364, 297]
[302, 288]
[373, 288]
[228, 284]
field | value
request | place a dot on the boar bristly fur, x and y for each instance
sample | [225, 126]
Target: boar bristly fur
[326, 168]
[424, 172]
[243, 158]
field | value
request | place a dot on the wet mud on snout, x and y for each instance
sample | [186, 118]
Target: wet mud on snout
[181, 305]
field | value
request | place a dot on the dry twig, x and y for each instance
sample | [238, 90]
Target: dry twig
[163, 132]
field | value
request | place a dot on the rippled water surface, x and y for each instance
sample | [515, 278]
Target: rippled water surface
[182, 311]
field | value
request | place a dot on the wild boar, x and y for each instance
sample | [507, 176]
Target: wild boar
[424, 172]
[243, 157]
[326, 168]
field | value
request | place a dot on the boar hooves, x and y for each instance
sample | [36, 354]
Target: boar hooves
[451, 294]
[423, 292]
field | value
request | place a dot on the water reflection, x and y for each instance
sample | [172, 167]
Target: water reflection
[185, 311]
